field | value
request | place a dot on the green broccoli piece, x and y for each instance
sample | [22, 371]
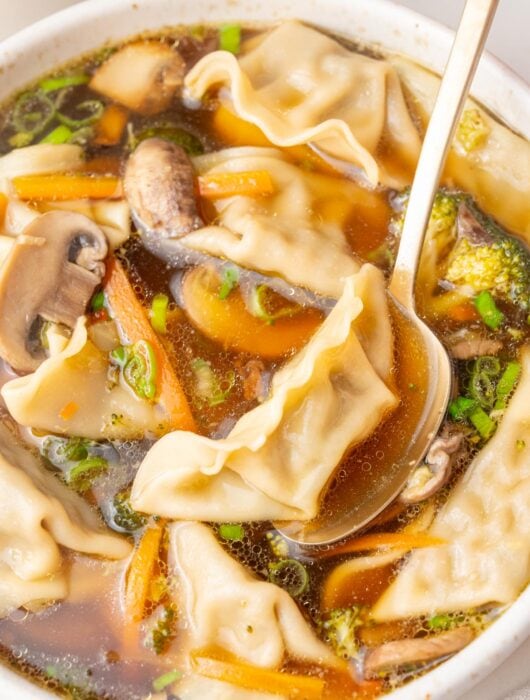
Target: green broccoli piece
[339, 628]
[163, 631]
[124, 517]
[486, 258]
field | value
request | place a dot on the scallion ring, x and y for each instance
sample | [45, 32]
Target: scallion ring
[32, 113]
[289, 574]
[93, 108]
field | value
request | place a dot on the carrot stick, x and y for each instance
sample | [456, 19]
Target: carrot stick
[109, 128]
[253, 678]
[250, 183]
[140, 572]
[3, 207]
[134, 322]
[463, 312]
[60, 188]
[383, 540]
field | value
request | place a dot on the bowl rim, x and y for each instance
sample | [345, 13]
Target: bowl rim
[496, 86]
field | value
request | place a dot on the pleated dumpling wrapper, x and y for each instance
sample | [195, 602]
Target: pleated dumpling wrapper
[299, 86]
[286, 232]
[278, 457]
[486, 524]
[226, 607]
[38, 516]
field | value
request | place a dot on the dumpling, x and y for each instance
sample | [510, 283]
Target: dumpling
[279, 234]
[486, 523]
[38, 516]
[227, 607]
[79, 374]
[497, 172]
[301, 87]
[327, 398]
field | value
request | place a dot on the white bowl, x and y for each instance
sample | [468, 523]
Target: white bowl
[86, 26]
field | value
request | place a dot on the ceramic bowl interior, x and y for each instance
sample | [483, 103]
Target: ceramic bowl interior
[88, 25]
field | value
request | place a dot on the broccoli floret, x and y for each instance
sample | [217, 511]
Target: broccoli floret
[125, 518]
[338, 629]
[486, 258]
[472, 131]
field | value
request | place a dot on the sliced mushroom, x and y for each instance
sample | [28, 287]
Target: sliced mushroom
[430, 477]
[474, 346]
[50, 275]
[159, 185]
[411, 651]
[143, 76]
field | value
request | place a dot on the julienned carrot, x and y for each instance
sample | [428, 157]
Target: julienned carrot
[383, 540]
[111, 125]
[464, 312]
[260, 679]
[134, 322]
[60, 188]
[250, 183]
[141, 571]
[69, 410]
[3, 207]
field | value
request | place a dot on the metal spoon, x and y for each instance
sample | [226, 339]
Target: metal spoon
[465, 54]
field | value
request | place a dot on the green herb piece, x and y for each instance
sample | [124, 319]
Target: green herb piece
[258, 306]
[82, 476]
[441, 622]
[124, 516]
[61, 451]
[230, 38]
[98, 301]
[139, 367]
[61, 134]
[20, 139]
[163, 631]
[488, 310]
[520, 445]
[483, 424]
[461, 407]
[189, 142]
[507, 383]
[472, 130]
[229, 280]
[51, 671]
[482, 383]
[208, 387]
[158, 313]
[32, 113]
[166, 679]
[92, 108]
[63, 81]
[290, 574]
[232, 531]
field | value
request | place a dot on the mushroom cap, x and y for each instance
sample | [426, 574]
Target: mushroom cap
[50, 274]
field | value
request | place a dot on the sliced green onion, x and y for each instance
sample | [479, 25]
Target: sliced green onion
[120, 355]
[189, 142]
[166, 679]
[32, 113]
[229, 280]
[63, 81]
[257, 306]
[61, 134]
[441, 622]
[232, 531]
[83, 474]
[93, 108]
[82, 136]
[139, 366]
[290, 574]
[230, 38]
[483, 424]
[98, 301]
[208, 386]
[507, 383]
[461, 407]
[158, 313]
[488, 310]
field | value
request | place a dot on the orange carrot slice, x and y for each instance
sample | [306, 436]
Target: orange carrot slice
[3, 207]
[110, 127]
[60, 188]
[463, 312]
[382, 540]
[134, 322]
[140, 572]
[243, 675]
[249, 183]
[69, 410]
[228, 322]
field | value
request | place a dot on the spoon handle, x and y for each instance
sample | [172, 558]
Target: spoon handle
[460, 69]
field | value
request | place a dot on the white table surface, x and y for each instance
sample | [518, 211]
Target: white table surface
[508, 40]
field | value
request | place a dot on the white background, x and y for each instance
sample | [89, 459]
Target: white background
[508, 40]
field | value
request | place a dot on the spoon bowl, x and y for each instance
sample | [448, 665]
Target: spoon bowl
[377, 495]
